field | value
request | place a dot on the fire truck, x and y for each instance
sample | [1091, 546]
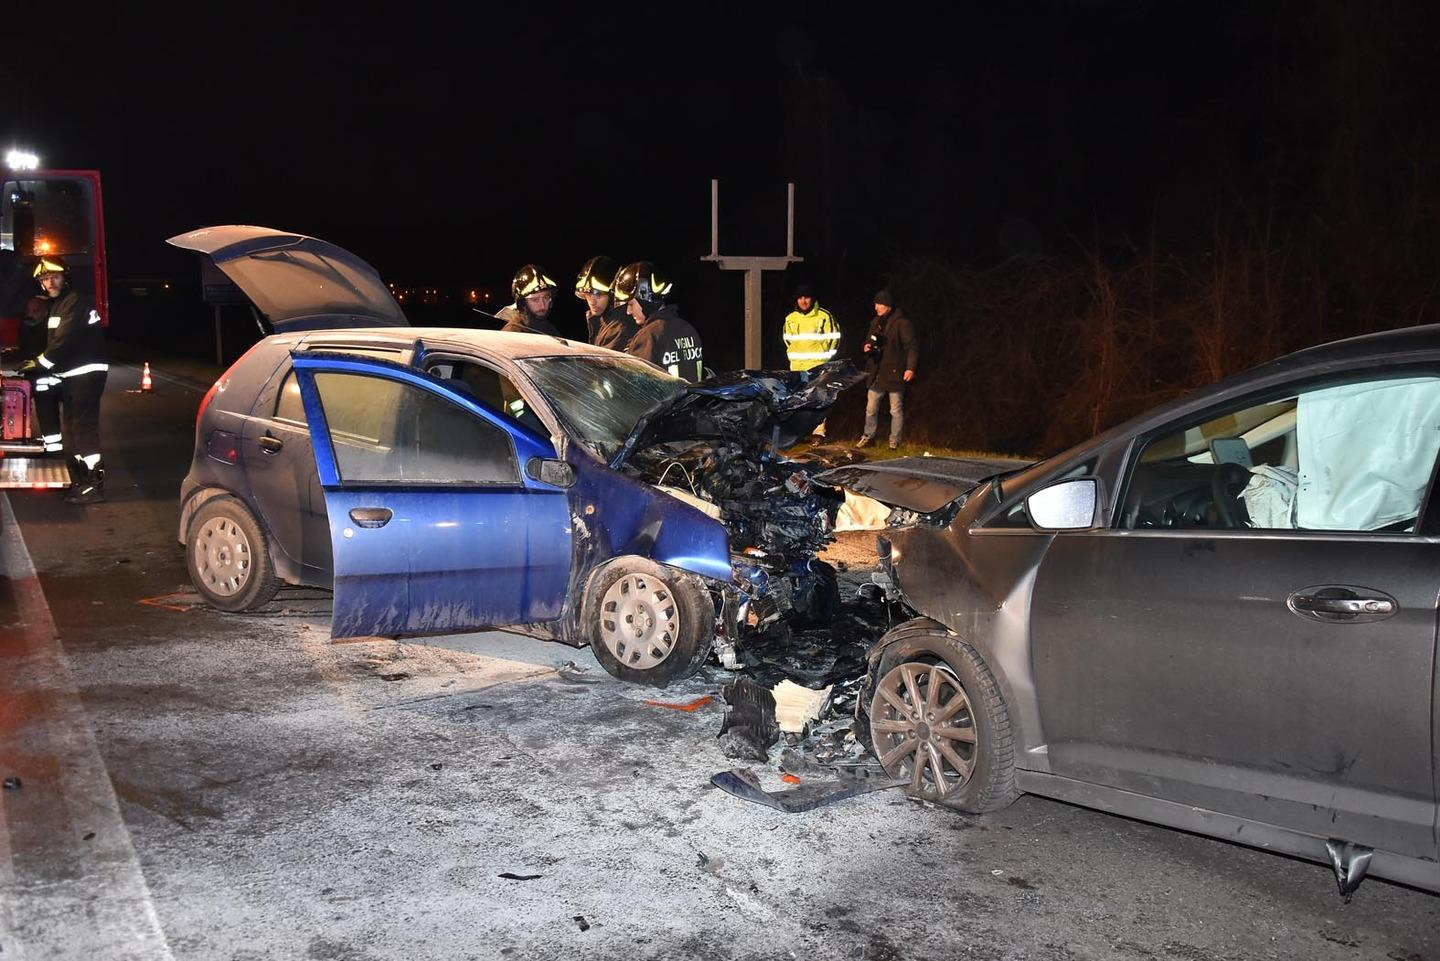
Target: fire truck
[42, 213]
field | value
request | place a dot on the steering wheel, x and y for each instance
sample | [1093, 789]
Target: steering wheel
[1226, 483]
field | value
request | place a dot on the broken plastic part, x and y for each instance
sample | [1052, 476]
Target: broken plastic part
[749, 728]
[743, 784]
[1351, 862]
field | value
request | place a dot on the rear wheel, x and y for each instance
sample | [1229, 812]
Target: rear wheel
[938, 720]
[229, 557]
[649, 624]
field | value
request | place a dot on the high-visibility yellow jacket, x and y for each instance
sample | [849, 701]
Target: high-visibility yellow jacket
[811, 338]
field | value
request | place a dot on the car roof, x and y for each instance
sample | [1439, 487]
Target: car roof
[507, 344]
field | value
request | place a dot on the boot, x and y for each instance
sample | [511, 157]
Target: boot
[89, 486]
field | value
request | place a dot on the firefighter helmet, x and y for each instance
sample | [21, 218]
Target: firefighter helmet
[49, 265]
[643, 281]
[530, 279]
[596, 277]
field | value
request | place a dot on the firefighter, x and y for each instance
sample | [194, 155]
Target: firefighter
[812, 337]
[606, 322]
[74, 366]
[664, 338]
[534, 294]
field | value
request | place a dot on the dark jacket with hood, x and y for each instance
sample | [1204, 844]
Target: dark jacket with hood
[901, 351]
[667, 340]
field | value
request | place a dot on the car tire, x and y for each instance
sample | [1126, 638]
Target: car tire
[228, 556]
[966, 760]
[669, 612]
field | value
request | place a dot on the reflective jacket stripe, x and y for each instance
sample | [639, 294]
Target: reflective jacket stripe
[811, 355]
[832, 335]
[84, 369]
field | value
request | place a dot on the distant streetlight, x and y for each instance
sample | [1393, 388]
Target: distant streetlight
[22, 160]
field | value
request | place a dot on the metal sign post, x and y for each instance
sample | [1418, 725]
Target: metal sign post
[754, 268]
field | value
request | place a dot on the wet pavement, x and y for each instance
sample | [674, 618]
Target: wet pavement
[199, 785]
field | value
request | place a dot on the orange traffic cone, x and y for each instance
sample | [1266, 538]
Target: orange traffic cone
[145, 384]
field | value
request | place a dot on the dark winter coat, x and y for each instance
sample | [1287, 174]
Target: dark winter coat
[517, 321]
[612, 329]
[667, 340]
[76, 343]
[901, 352]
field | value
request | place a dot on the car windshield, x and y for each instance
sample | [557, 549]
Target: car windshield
[601, 398]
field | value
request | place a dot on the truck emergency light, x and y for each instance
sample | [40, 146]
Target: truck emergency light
[22, 160]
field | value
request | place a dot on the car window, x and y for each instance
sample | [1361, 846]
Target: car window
[601, 398]
[388, 432]
[491, 388]
[1339, 457]
[288, 405]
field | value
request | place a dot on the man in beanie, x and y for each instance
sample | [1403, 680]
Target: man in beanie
[891, 353]
[811, 337]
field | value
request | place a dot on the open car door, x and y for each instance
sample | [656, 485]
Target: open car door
[435, 523]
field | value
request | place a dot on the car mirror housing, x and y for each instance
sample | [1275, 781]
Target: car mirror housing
[1066, 506]
[547, 470]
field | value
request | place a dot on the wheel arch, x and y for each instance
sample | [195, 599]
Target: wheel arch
[286, 569]
[1016, 687]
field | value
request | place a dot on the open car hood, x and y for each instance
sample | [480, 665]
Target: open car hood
[297, 282]
[919, 484]
[749, 407]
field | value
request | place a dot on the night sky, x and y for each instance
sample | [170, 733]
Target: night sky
[450, 152]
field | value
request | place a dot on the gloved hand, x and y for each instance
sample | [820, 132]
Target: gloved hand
[27, 366]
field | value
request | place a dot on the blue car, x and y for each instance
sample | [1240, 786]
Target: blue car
[445, 480]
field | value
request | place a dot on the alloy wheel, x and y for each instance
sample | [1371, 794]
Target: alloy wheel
[923, 729]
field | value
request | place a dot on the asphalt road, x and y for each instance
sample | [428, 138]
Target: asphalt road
[199, 785]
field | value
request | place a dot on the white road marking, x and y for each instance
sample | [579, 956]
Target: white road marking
[71, 885]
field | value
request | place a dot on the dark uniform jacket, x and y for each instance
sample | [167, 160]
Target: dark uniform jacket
[668, 341]
[900, 353]
[612, 329]
[519, 322]
[76, 344]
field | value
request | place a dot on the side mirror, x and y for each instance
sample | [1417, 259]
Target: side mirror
[1066, 506]
[546, 470]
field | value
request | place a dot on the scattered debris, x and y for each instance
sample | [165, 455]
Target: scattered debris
[13, 784]
[580, 920]
[687, 707]
[789, 779]
[743, 784]
[749, 729]
[89, 836]
[796, 706]
[519, 877]
[397, 676]
[572, 673]
[436, 766]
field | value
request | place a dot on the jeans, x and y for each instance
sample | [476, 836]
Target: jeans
[897, 412]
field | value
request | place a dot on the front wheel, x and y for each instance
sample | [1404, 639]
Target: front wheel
[649, 624]
[228, 556]
[938, 720]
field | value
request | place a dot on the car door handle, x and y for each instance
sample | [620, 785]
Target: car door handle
[371, 517]
[1338, 603]
[271, 445]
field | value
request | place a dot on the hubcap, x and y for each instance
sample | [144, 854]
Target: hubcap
[639, 621]
[923, 729]
[222, 556]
